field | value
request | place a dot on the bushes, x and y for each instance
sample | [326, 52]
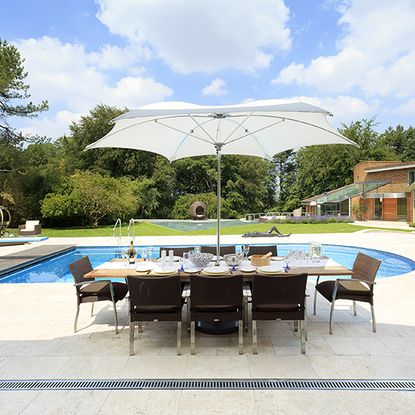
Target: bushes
[412, 224]
[314, 219]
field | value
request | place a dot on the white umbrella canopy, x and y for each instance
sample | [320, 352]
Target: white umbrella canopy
[261, 128]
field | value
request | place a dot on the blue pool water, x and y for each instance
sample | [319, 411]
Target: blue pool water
[56, 269]
[194, 225]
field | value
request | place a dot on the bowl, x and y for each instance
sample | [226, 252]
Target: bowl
[233, 259]
[258, 261]
[200, 259]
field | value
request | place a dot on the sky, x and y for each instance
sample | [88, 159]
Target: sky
[355, 58]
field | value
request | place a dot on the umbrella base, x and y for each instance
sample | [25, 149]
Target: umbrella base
[217, 327]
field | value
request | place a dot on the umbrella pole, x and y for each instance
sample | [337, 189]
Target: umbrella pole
[218, 155]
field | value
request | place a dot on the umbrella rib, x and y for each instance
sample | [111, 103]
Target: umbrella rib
[187, 134]
[236, 128]
[201, 127]
[256, 131]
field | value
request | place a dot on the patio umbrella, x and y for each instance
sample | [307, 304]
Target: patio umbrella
[262, 128]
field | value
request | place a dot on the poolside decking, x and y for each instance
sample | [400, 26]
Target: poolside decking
[30, 256]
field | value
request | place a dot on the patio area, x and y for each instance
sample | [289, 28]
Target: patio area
[37, 342]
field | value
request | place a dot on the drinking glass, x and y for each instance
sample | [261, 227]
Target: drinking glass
[186, 258]
[245, 249]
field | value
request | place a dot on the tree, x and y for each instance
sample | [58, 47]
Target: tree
[91, 197]
[14, 90]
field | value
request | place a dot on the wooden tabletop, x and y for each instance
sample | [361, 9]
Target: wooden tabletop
[328, 270]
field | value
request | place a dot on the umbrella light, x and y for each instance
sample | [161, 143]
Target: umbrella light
[262, 128]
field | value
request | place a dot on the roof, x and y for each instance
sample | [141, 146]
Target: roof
[345, 192]
[400, 167]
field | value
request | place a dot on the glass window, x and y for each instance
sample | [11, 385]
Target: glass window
[401, 209]
[411, 177]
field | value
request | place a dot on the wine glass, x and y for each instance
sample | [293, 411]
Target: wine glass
[245, 249]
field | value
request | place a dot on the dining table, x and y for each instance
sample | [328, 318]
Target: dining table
[121, 268]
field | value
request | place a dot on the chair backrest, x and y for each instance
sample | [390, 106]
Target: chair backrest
[224, 250]
[216, 290]
[154, 291]
[79, 268]
[262, 250]
[177, 251]
[279, 289]
[365, 267]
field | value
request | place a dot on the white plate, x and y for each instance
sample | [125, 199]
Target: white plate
[277, 258]
[165, 269]
[175, 259]
[191, 270]
[247, 268]
[143, 267]
[215, 270]
[270, 269]
[163, 274]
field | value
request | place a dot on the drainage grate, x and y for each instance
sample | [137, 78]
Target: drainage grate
[212, 384]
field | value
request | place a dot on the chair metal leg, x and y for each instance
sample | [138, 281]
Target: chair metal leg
[192, 337]
[305, 318]
[246, 313]
[302, 336]
[140, 327]
[315, 297]
[75, 324]
[241, 336]
[354, 308]
[254, 338]
[92, 309]
[295, 326]
[188, 313]
[179, 338]
[131, 339]
[373, 318]
[331, 317]
[115, 317]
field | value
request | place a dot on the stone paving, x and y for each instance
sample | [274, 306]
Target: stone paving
[36, 341]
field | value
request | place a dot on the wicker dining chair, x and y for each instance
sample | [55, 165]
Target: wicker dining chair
[155, 299]
[279, 297]
[357, 288]
[89, 290]
[224, 250]
[262, 250]
[214, 299]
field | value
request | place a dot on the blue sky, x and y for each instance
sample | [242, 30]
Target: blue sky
[355, 58]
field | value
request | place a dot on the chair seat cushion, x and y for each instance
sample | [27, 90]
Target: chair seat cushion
[348, 290]
[101, 289]
[156, 309]
[277, 307]
[214, 308]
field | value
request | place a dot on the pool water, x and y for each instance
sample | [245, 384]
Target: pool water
[194, 225]
[57, 269]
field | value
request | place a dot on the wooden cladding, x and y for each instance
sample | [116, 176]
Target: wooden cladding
[389, 207]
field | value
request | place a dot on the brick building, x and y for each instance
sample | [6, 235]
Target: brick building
[382, 190]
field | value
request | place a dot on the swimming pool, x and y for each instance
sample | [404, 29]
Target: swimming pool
[194, 225]
[56, 269]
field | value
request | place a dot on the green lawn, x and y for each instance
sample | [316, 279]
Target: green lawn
[150, 229]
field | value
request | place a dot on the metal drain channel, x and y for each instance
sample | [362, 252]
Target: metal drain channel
[209, 384]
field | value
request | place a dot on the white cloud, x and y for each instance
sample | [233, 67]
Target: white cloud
[343, 107]
[376, 53]
[74, 80]
[216, 87]
[407, 108]
[203, 35]
[49, 126]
